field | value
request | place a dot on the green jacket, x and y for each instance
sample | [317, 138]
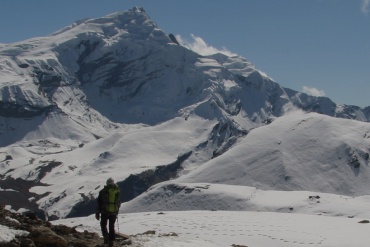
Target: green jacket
[109, 199]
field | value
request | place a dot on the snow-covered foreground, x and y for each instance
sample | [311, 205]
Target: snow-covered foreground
[225, 228]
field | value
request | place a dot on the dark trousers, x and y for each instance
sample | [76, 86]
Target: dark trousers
[111, 219]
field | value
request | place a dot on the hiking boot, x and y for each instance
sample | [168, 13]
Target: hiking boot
[110, 244]
[106, 241]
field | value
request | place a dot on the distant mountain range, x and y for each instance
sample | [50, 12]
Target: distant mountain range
[118, 97]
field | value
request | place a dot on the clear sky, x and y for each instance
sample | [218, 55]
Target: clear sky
[316, 46]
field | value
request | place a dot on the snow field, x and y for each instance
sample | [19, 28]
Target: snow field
[224, 228]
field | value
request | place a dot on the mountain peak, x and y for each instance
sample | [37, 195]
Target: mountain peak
[138, 9]
[134, 22]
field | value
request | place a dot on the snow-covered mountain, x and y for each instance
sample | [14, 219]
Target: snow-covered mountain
[118, 97]
[297, 152]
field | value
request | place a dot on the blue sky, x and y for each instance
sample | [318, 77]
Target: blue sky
[317, 46]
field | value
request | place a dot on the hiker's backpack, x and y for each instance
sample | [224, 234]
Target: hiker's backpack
[110, 199]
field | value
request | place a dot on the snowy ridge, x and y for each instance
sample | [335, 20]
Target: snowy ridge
[115, 96]
[296, 152]
[175, 196]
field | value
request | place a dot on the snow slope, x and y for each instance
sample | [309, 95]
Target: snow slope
[318, 155]
[296, 152]
[174, 196]
[117, 156]
[228, 228]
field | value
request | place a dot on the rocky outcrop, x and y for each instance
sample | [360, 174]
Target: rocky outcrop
[15, 110]
[43, 233]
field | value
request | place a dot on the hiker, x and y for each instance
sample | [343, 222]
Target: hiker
[107, 209]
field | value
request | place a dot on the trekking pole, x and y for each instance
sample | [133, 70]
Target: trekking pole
[117, 223]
